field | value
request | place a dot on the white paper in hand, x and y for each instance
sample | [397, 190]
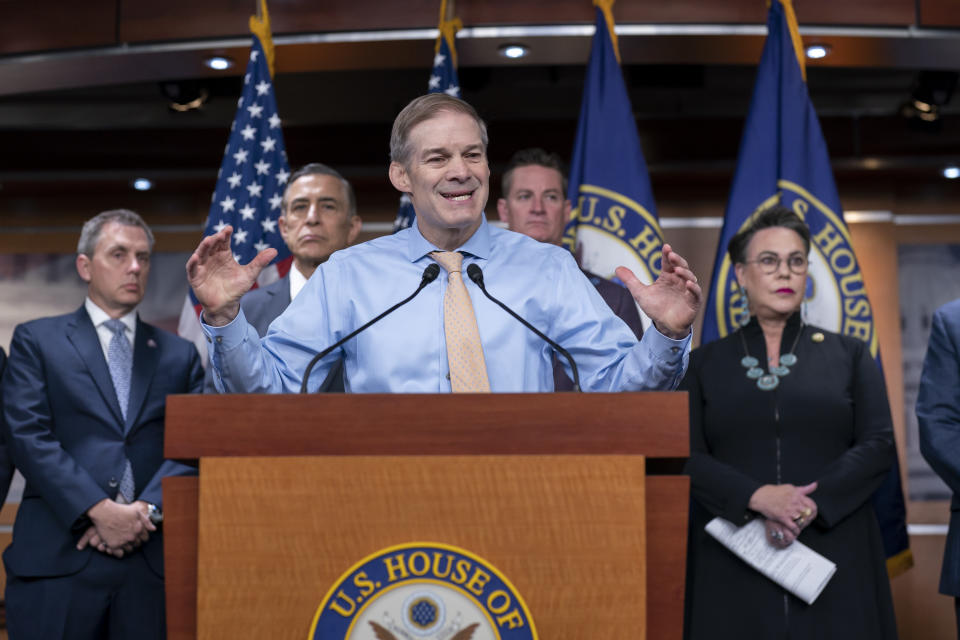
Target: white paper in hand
[798, 568]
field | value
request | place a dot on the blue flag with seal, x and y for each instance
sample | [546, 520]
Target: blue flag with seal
[614, 220]
[783, 159]
[443, 79]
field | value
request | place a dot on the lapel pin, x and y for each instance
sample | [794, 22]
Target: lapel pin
[152, 343]
[817, 337]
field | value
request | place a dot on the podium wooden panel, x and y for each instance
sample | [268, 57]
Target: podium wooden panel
[505, 463]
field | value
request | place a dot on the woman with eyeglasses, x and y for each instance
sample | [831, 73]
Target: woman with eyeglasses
[789, 423]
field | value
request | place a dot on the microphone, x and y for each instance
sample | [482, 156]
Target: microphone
[429, 275]
[476, 274]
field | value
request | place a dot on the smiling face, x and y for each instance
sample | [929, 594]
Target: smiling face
[316, 221]
[774, 291]
[116, 274]
[535, 206]
[447, 177]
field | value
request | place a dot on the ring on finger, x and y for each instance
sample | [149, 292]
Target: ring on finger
[777, 535]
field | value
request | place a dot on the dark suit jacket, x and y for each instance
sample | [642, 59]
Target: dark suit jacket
[67, 436]
[617, 298]
[263, 305]
[938, 412]
[6, 465]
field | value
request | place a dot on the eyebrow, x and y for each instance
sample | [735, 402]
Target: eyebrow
[445, 151]
[531, 190]
[126, 249]
[320, 199]
[433, 150]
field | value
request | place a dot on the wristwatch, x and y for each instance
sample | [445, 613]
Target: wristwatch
[154, 513]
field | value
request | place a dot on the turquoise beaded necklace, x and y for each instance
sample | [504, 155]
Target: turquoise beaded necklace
[770, 380]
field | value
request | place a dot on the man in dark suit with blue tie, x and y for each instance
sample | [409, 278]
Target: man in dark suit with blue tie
[318, 216]
[84, 399]
[6, 466]
[534, 203]
[938, 412]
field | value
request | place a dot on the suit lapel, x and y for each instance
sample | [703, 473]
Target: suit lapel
[146, 355]
[85, 340]
[281, 295]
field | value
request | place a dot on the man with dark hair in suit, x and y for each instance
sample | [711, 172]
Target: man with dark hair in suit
[938, 414]
[84, 397]
[318, 216]
[534, 204]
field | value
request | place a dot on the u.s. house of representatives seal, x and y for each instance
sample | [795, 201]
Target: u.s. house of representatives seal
[607, 229]
[423, 591]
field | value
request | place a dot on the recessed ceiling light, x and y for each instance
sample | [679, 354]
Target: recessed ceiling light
[951, 172]
[514, 51]
[817, 51]
[142, 184]
[218, 63]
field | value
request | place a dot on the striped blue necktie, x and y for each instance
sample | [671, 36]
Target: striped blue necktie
[120, 361]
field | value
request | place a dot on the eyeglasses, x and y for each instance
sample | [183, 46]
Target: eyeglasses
[300, 209]
[770, 263]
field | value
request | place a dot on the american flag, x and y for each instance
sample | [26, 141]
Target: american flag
[443, 79]
[250, 185]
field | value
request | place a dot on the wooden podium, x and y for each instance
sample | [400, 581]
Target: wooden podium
[573, 497]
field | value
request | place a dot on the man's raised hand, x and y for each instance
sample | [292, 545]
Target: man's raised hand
[673, 300]
[218, 280]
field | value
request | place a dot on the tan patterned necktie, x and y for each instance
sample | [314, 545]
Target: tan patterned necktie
[468, 370]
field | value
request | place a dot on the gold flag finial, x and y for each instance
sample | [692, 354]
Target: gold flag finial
[607, 7]
[260, 27]
[795, 36]
[448, 28]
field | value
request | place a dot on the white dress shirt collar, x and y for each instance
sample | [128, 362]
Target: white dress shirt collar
[99, 317]
[297, 280]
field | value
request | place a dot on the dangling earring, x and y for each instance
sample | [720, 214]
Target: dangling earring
[743, 313]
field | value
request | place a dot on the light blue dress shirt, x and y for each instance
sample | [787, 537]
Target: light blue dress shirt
[406, 351]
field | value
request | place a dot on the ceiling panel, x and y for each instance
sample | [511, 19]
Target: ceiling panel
[939, 13]
[185, 19]
[855, 12]
[56, 24]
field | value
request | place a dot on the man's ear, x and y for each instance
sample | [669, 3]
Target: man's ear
[399, 177]
[355, 225]
[567, 210]
[83, 267]
[503, 211]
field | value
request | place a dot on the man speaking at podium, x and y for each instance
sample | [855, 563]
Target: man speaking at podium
[449, 336]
